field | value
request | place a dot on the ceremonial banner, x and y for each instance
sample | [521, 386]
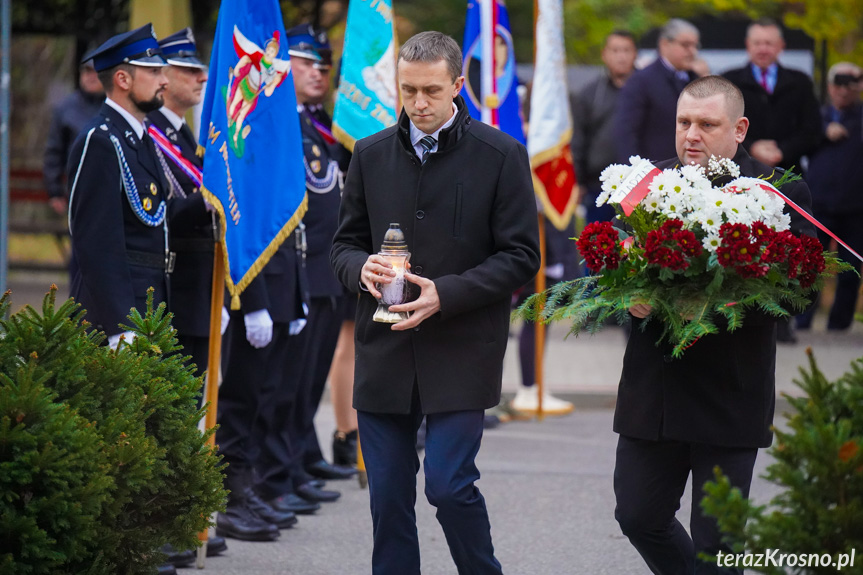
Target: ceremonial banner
[550, 128]
[250, 132]
[367, 97]
[489, 67]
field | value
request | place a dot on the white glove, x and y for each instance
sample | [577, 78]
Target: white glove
[226, 319]
[296, 326]
[114, 340]
[259, 328]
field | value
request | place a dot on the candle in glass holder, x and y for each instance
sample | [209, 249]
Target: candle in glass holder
[395, 250]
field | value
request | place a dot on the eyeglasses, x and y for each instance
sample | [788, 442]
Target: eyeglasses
[688, 45]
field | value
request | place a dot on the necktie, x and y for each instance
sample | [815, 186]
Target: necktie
[764, 83]
[427, 143]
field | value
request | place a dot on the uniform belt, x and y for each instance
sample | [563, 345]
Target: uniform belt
[193, 244]
[151, 260]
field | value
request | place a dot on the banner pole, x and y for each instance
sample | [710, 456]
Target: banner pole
[539, 326]
[213, 366]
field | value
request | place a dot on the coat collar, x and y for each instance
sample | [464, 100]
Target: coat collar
[448, 138]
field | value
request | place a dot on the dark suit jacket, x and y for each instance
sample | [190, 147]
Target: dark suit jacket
[104, 225]
[322, 218]
[721, 392]
[191, 237]
[645, 114]
[789, 115]
[469, 218]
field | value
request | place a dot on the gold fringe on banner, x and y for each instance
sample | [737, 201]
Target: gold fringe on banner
[236, 289]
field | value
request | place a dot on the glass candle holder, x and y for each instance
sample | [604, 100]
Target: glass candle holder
[395, 251]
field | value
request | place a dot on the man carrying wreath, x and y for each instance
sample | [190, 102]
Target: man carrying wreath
[713, 406]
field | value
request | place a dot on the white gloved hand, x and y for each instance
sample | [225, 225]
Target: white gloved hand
[114, 340]
[296, 326]
[259, 328]
[226, 319]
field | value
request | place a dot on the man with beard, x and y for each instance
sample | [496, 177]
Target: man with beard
[118, 192]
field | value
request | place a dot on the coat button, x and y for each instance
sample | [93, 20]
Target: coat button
[667, 358]
[418, 270]
[420, 214]
[417, 328]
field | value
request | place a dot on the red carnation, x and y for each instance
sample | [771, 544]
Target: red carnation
[599, 246]
[670, 245]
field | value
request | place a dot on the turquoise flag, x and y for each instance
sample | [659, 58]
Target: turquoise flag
[367, 96]
[250, 132]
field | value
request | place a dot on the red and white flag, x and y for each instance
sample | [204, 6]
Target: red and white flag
[550, 128]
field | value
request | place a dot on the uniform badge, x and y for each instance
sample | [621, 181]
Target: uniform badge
[153, 189]
[315, 165]
[148, 204]
[316, 151]
[131, 137]
[171, 133]
[104, 127]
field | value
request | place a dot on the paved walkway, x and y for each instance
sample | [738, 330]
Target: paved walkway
[548, 484]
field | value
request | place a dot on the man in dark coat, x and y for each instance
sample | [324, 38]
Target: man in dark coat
[644, 115]
[780, 103]
[784, 123]
[118, 191]
[835, 173]
[712, 407]
[462, 193]
[192, 233]
[67, 119]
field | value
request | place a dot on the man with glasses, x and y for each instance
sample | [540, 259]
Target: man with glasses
[645, 111]
[835, 173]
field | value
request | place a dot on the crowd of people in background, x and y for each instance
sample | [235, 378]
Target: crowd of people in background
[295, 329]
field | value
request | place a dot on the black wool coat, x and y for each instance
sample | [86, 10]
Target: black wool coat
[191, 238]
[469, 218]
[722, 391]
[789, 115]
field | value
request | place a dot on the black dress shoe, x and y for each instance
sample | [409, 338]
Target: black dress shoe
[281, 519]
[310, 493]
[216, 545]
[239, 522]
[178, 558]
[167, 569]
[294, 503]
[345, 448]
[323, 470]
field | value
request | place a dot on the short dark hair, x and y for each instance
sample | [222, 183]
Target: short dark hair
[764, 23]
[433, 47]
[620, 33]
[708, 86]
[106, 77]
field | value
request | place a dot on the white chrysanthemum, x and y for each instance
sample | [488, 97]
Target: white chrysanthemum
[611, 178]
[711, 242]
[780, 222]
[736, 209]
[694, 174]
[710, 218]
[652, 203]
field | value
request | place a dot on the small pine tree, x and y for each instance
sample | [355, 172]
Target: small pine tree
[819, 463]
[160, 480]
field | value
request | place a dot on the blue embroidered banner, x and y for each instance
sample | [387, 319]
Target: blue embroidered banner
[367, 98]
[250, 131]
[502, 105]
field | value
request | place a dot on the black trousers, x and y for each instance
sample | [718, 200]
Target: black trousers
[649, 479]
[249, 417]
[320, 335]
[198, 350]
